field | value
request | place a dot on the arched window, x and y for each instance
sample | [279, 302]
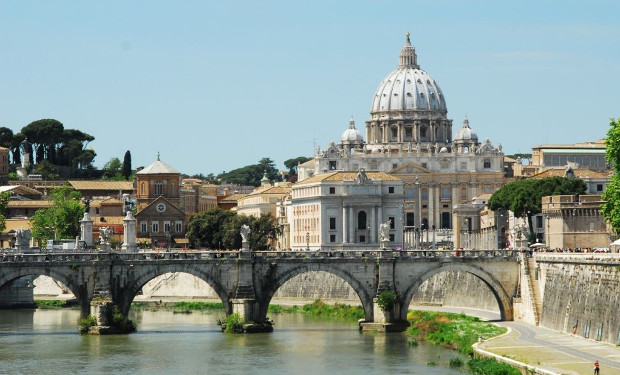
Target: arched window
[158, 188]
[143, 188]
[361, 220]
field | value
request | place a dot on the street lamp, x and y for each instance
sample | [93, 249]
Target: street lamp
[307, 241]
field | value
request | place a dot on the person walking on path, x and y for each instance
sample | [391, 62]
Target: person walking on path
[596, 368]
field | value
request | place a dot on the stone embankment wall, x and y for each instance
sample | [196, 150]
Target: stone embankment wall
[581, 294]
[445, 289]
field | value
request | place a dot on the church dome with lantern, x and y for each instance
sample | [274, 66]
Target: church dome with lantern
[409, 107]
[352, 136]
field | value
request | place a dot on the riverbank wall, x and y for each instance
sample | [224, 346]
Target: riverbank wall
[580, 294]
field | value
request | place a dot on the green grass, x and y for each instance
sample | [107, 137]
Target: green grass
[489, 366]
[456, 331]
[50, 303]
[319, 308]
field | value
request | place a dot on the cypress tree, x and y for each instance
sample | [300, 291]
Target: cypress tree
[127, 165]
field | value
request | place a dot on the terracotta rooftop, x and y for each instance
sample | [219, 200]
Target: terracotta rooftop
[101, 185]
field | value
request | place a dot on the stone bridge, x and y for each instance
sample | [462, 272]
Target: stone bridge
[246, 281]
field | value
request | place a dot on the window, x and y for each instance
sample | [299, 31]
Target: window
[424, 194]
[408, 133]
[599, 187]
[143, 227]
[159, 188]
[445, 192]
[178, 226]
[332, 165]
[361, 220]
[332, 223]
[424, 165]
[332, 190]
[394, 132]
[391, 237]
[332, 238]
[394, 166]
[362, 238]
[391, 189]
[423, 132]
[155, 226]
[539, 222]
[166, 226]
[445, 220]
[391, 220]
[409, 193]
[143, 188]
[487, 163]
[410, 217]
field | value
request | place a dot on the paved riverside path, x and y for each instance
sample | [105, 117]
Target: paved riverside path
[544, 348]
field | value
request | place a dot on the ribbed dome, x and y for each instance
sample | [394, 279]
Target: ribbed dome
[352, 135]
[408, 87]
[466, 133]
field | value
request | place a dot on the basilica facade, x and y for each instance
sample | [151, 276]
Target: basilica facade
[410, 137]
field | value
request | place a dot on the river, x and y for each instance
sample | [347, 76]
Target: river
[47, 342]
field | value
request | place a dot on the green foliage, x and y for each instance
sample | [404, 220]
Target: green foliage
[217, 228]
[456, 331]
[456, 362]
[611, 196]
[87, 322]
[117, 316]
[47, 170]
[4, 202]
[292, 164]
[234, 324]
[319, 308]
[489, 366]
[191, 306]
[50, 304]
[523, 197]
[62, 219]
[112, 170]
[386, 300]
[126, 169]
[252, 174]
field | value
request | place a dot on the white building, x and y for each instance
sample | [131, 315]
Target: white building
[343, 210]
[410, 137]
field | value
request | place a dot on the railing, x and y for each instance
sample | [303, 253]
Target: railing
[97, 256]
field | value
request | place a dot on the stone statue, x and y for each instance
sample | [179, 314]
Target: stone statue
[361, 176]
[105, 234]
[86, 205]
[22, 238]
[417, 148]
[245, 233]
[384, 232]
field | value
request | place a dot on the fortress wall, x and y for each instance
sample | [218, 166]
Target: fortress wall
[581, 294]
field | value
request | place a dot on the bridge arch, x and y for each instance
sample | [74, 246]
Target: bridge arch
[501, 296]
[125, 297]
[68, 277]
[365, 295]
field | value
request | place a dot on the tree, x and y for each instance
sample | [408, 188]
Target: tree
[62, 219]
[217, 229]
[44, 135]
[4, 202]
[611, 196]
[252, 174]
[112, 169]
[523, 197]
[127, 165]
[292, 164]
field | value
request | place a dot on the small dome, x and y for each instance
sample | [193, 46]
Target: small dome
[443, 149]
[352, 135]
[466, 133]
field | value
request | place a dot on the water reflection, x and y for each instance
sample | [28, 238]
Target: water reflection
[192, 343]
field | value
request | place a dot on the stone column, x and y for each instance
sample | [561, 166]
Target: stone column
[431, 205]
[345, 224]
[373, 225]
[129, 233]
[352, 238]
[86, 226]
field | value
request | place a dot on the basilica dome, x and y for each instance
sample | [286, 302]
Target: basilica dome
[408, 87]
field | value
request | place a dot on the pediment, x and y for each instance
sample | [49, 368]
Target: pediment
[162, 207]
[409, 169]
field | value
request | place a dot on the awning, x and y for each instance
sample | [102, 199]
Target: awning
[181, 240]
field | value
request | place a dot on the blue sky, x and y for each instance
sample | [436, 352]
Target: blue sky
[216, 85]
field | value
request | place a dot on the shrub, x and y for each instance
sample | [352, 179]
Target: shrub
[489, 366]
[234, 324]
[386, 300]
[456, 362]
[86, 323]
